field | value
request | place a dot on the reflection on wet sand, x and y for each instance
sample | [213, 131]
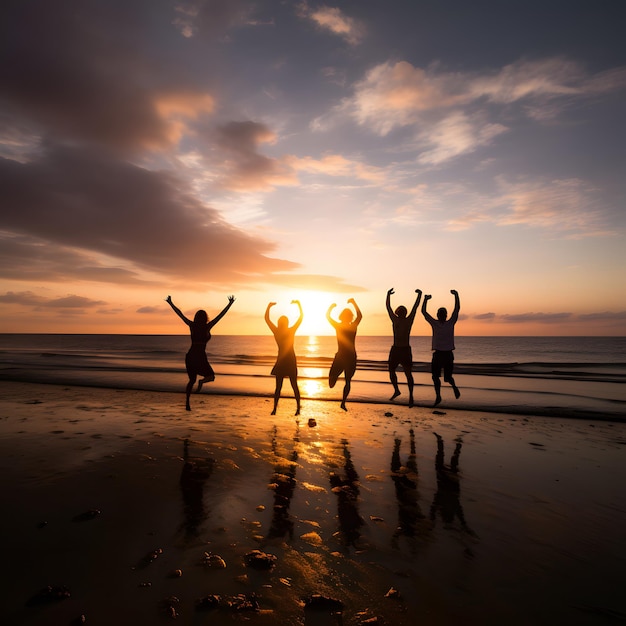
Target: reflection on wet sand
[405, 479]
[283, 483]
[447, 500]
[195, 473]
[347, 491]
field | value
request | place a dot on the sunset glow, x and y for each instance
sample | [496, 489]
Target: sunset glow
[280, 151]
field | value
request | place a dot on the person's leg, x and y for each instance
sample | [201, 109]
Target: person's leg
[393, 377]
[190, 384]
[335, 371]
[296, 392]
[346, 392]
[447, 375]
[208, 376]
[279, 386]
[410, 383]
[435, 369]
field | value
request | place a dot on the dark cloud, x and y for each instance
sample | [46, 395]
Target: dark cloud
[79, 69]
[604, 316]
[29, 298]
[542, 318]
[35, 259]
[78, 199]
[246, 168]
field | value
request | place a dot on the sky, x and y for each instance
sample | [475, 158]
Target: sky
[281, 150]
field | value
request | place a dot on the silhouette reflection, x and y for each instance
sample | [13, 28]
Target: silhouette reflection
[405, 480]
[195, 473]
[347, 491]
[283, 482]
[447, 500]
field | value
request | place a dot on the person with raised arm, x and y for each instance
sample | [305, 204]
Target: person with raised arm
[443, 345]
[345, 357]
[400, 353]
[286, 364]
[196, 361]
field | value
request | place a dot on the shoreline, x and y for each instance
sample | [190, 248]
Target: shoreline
[591, 400]
[529, 529]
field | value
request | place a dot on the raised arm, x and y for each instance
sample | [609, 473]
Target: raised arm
[457, 305]
[359, 315]
[300, 317]
[415, 304]
[268, 321]
[333, 323]
[425, 313]
[390, 312]
[178, 311]
[223, 312]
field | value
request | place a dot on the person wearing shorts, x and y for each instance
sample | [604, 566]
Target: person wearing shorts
[345, 357]
[400, 353]
[443, 345]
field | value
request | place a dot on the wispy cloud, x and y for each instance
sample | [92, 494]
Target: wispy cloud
[334, 20]
[452, 113]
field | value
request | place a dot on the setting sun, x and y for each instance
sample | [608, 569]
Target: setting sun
[314, 305]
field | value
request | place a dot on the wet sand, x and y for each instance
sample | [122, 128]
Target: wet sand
[393, 515]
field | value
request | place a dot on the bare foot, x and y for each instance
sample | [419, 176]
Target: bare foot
[298, 411]
[457, 393]
[188, 408]
[437, 400]
[343, 406]
[273, 412]
[411, 403]
[395, 395]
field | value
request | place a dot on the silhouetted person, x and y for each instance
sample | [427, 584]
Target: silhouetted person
[447, 500]
[347, 492]
[400, 353]
[443, 345]
[286, 365]
[196, 360]
[345, 357]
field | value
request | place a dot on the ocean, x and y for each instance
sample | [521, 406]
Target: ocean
[564, 376]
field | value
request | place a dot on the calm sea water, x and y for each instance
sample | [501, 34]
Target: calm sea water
[582, 371]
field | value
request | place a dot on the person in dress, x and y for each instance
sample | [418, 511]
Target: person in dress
[196, 361]
[443, 345]
[400, 353]
[286, 365]
[345, 357]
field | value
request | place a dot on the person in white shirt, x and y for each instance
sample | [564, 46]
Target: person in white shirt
[443, 345]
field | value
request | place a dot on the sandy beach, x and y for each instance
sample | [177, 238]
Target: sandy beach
[123, 508]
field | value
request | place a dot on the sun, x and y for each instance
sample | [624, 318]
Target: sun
[314, 306]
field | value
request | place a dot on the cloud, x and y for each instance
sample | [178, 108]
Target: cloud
[336, 165]
[569, 206]
[69, 78]
[542, 318]
[316, 282]
[451, 113]
[145, 221]
[604, 316]
[211, 18]
[30, 299]
[335, 21]
[455, 135]
[244, 168]
[485, 316]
